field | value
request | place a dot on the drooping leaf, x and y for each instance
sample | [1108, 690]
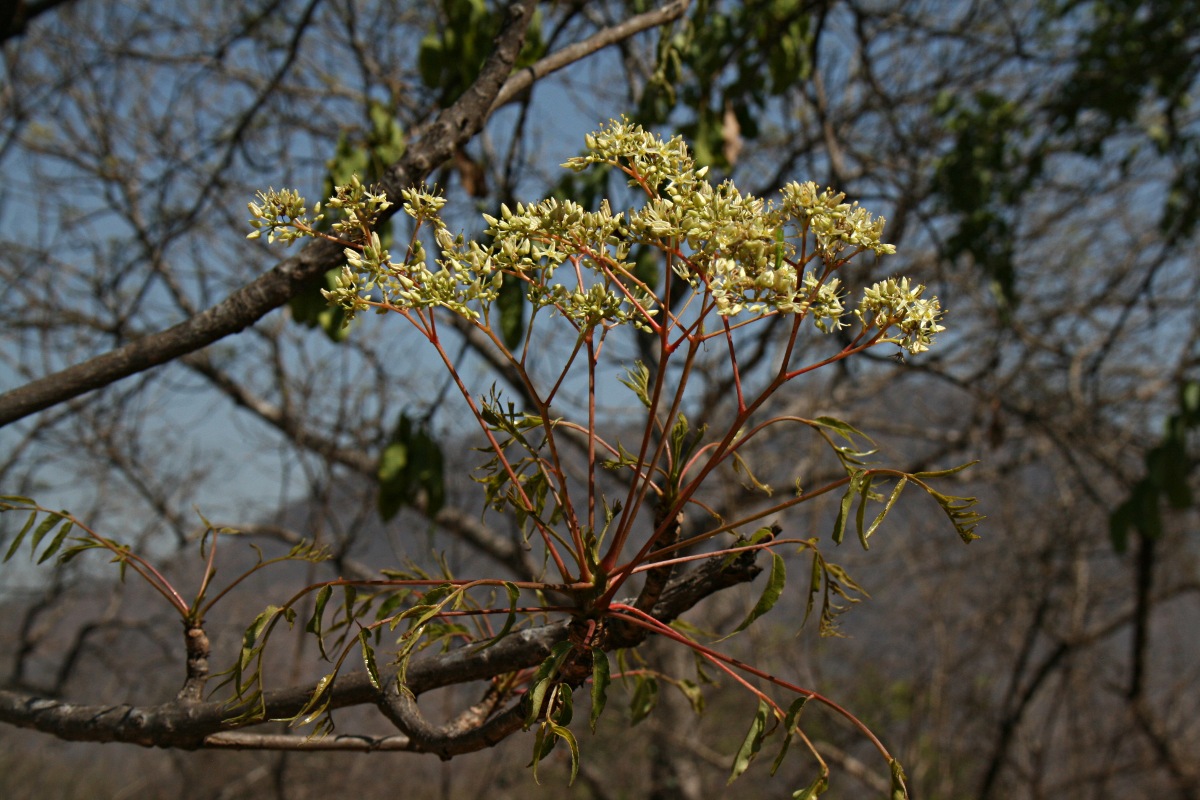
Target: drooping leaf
[771, 593]
[369, 658]
[314, 625]
[791, 722]
[57, 541]
[813, 790]
[600, 682]
[839, 524]
[564, 733]
[514, 594]
[899, 781]
[16, 543]
[645, 698]
[543, 678]
[845, 429]
[884, 512]
[42, 529]
[752, 743]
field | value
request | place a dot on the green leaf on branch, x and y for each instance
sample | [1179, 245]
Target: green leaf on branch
[637, 378]
[770, 596]
[752, 744]
[543, 680]
[56, 542]
[943, 473]
[791, 722]
[645, 698]
[600, 683]
[314, 625]
[740, 467]
[899, 781]
[16, 543]
[369, 658]
[815, 789]
[845, 429]
[514, 594]
[958, 511]
[860, 482]
[891, 501]
[44, 528]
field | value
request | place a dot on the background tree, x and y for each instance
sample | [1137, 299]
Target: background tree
[1038, 167]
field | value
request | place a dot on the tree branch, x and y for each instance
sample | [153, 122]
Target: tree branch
[568, 55]
[453, 127]
[190, 725]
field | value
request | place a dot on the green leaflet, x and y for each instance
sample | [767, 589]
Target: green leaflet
[369, 658]
[56, 542]
[514, 594]
[16, 543]
[864, 536]
[645, 698]
[770, 596]
[314, 625]
[47, 525]
[813, 790]
[899, 781]
[790, 726]
[543, 680]
[600, 683]
[845, 429]
[637, 378]
[752, 743]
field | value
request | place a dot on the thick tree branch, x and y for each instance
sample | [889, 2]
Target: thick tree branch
[189, 725]
[453, 127]
[15, 15]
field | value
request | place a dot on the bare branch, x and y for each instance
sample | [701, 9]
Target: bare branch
[188, 725]
[453, 127]
[580, 50]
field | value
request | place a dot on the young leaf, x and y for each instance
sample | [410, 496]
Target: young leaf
[770, 595]
[864, 496]
[314, 622]
[317, 703]
[899, 781]
[40, 532]
[600, 682]
[813, 790]
[886, 508]
[752, 743]
[645, 699]
[790, 721]
[694, 694]
[565, 734]
[942, 473]
[56, 543]
[543, 678]
[839, 525]
[844, 428]
[369, 657]
[637, 378]
[16, 543]
[513, 595]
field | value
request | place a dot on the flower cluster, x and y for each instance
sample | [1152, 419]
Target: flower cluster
[893, 302]
[743, 254]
